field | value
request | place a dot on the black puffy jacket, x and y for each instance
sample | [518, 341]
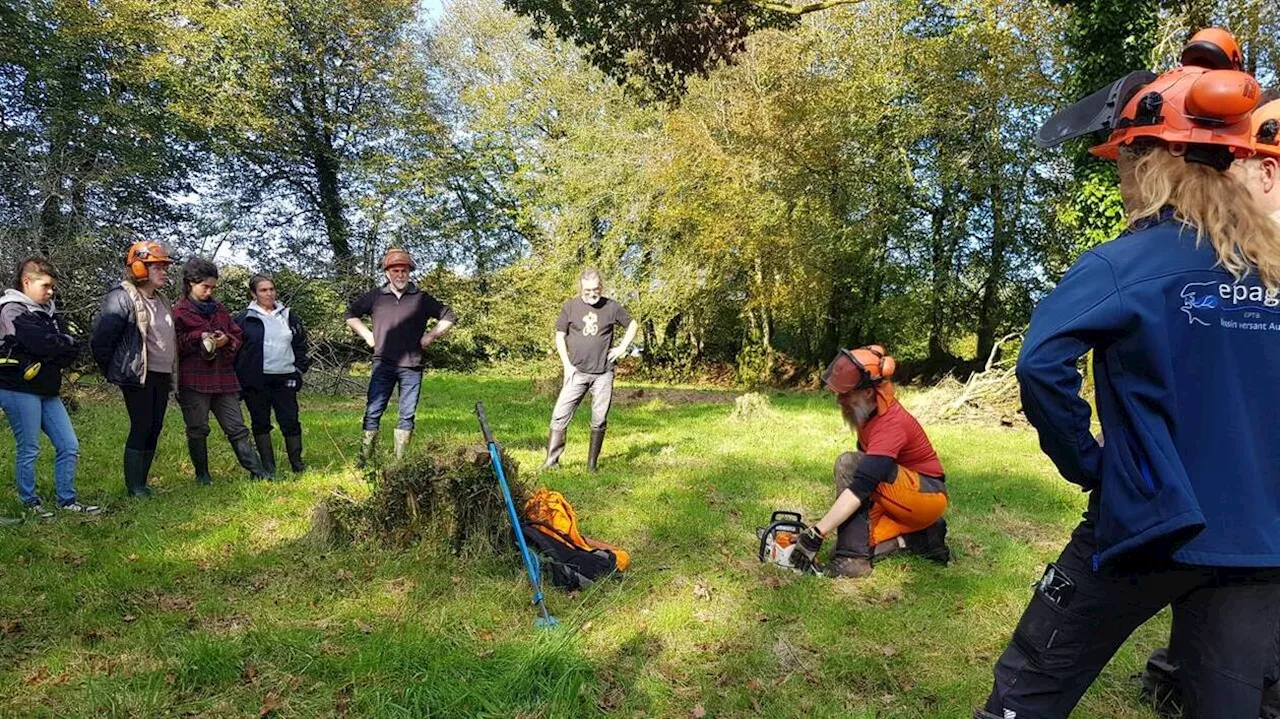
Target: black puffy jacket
[119, 335]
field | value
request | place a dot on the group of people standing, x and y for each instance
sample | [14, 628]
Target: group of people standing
[149, 349]
[213, 360]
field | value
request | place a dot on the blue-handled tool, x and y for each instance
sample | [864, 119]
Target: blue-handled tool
[545, 620]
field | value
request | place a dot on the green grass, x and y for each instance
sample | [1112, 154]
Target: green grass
[206, 602]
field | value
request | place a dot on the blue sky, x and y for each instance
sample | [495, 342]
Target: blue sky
[432, 8]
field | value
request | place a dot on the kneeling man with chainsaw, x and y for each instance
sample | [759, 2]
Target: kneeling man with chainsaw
[891, 493]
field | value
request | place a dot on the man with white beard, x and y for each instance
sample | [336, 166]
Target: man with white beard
[891, 493]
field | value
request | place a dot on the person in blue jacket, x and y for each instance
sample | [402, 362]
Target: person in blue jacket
[1261, 176]
[1182, 314]
[35, 346]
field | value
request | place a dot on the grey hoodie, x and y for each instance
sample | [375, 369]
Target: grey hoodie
[13, 303]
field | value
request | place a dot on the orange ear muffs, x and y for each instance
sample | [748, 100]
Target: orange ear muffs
[139, 269]
[888, 366]
[1222, 97]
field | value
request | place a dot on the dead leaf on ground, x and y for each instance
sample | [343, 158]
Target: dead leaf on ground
[698, 712]
[702, 590]
[270, 705]
[129, 618]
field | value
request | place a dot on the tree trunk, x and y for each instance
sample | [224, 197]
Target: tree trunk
[989, 307]
[332, 209]
[940, 266]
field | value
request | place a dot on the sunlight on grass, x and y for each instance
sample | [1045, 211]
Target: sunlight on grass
[208, 601]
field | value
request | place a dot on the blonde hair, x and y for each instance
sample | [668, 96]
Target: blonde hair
[1216, 204]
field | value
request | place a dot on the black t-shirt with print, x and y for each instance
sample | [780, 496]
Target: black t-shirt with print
[589, 331]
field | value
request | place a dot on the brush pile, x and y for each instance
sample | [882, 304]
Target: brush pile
[987, 397]
[450, 497]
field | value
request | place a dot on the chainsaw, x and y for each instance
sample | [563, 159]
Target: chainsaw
[778, 541]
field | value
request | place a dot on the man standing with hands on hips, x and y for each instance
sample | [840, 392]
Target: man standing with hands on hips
[584, 339]
[400, 312]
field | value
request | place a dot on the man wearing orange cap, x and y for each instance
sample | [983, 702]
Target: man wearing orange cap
[400, 312]
[891, 493]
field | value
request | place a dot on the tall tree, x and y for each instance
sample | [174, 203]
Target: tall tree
[90, 157]
[295, 96]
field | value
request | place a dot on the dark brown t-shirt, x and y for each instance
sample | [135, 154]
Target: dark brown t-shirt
[399, 322]
[589, 331]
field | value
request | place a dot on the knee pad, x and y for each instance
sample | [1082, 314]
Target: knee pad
[846, 466]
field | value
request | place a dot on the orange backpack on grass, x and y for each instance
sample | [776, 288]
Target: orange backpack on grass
[551, 525]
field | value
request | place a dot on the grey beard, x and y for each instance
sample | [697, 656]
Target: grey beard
[858, 415]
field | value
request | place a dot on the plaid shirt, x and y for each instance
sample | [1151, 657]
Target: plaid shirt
[197, 370]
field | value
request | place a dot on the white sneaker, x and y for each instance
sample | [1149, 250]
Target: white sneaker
[79, 508]
[38, 511]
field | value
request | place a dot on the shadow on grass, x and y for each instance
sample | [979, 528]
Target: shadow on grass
[231, 612]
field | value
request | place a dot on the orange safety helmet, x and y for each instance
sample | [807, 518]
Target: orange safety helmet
[144, 253]
[1266, 129]
[397, 257]
[1190, 106]
[1201, 109]
[859, 369]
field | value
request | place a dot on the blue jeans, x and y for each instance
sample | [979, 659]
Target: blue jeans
[29, 414]
[382, 380]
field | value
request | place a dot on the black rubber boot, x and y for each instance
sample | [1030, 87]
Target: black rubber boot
[593, 452]
[135, 472]
[248, 458]
[266, 454]
[293, 446]
[199, 451]
[368, 448]
[555, 448]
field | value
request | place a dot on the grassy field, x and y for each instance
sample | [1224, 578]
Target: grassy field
[205, 602]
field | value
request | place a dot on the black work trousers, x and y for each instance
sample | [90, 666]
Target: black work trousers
[279, 392]
[146, 406]
[1059, 648]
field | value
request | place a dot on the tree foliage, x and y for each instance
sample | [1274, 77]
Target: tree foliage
[864, 173]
